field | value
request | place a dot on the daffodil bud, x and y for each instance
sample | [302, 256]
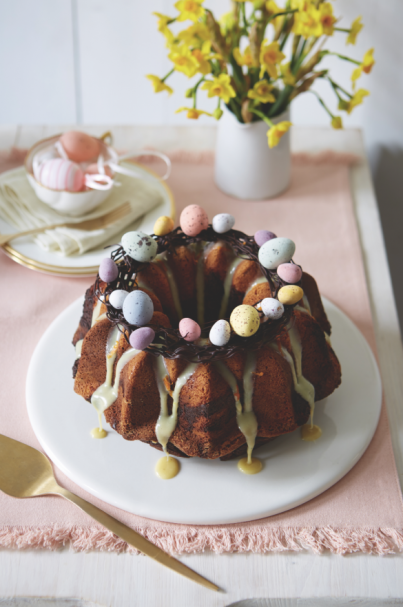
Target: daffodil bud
[343, 105]
[218, 113]
[189, 94]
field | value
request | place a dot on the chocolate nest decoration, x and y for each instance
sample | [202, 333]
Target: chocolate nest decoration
[168, 342]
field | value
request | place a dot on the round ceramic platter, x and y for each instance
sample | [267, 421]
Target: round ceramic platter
[25, 252]
[205, 492]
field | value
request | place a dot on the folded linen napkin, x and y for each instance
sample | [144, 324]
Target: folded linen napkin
[20, 207]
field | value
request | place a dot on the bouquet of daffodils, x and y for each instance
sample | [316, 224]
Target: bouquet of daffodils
[257, 58]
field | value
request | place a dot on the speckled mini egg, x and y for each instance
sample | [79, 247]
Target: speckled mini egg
[290, 295]
[263, 236]
[289, 272]
[223, 222]
[108, 270]
[163, 225]
[193, 220]
[272, 308]
[220, 333]
[275, 252]
[139, 246]
[142, 338]
[80, 147]
[189, 329]
[116, 298]
[245, 320]
[138, 308]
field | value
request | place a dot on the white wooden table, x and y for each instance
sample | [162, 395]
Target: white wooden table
[67, 579]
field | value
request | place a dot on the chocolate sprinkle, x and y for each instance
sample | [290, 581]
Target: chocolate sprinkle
[168, 342]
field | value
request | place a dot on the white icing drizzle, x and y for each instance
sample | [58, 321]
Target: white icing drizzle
[172, 285]
[227, 285]
[301, 309]
[106, 394]
[246, 419]
[79, 346]
[200, 289]
[96, 311]
[166, 424]
[301, 385]
[258, 281]
[306, 303]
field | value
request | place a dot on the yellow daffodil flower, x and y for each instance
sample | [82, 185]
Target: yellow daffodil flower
[194, 35]
[355, 29]
[301, 5]
[192, 112]
[270, 56]
[162, 25]
[190, 9]
[366, 66]
[227, 22]
[202, 56]
[262, 92]
[368, 62]
[275, 133]
[245, 59]
[286, 74]
[357, 99]
[158, 85]
[337, 122]
[327, 19]
[307, 22]
[184, 61]
[220, 87]
[272, 7]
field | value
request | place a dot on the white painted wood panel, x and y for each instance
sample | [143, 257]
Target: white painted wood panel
[36, 62]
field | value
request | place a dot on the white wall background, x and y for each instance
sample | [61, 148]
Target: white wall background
[84, 61]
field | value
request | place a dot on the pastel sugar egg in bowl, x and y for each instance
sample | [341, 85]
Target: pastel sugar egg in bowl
[58, 173]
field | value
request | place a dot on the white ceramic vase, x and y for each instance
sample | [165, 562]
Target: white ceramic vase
[245, 166]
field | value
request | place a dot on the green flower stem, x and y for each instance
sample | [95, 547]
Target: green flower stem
[196, 86]
[167, 75]
[282, 101]
[235, 109]
[294, 10]
[341, 29]
[300, 59]
[323, 104]
[262, 116]
[342, 57]
[337, 86]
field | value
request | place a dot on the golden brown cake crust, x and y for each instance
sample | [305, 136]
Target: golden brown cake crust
[207, 424]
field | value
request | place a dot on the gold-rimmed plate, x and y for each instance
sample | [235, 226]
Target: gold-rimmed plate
[25, 252]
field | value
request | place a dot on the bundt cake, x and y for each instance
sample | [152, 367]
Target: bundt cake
[203, 341]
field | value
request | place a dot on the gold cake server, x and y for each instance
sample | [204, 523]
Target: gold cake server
[26, 472]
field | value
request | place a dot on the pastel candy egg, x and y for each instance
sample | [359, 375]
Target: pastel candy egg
[163, 225]
[138, 308]
[290, 295]
[223, 222]
[193, 220]
[139, 246]
[245, 320]
[108, 270]
[116, 298]
[289, 272]
[60, 174]
[272, 308]
[275, 252]
[189, 329]
[262, 236]
[142, 338]
[220, 333]
[80, 147]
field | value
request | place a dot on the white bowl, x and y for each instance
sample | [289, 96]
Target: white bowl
[67, 203]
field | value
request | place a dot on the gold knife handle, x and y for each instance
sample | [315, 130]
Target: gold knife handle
[135, 539]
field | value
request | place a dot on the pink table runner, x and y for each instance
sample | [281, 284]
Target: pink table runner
[362, 512]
